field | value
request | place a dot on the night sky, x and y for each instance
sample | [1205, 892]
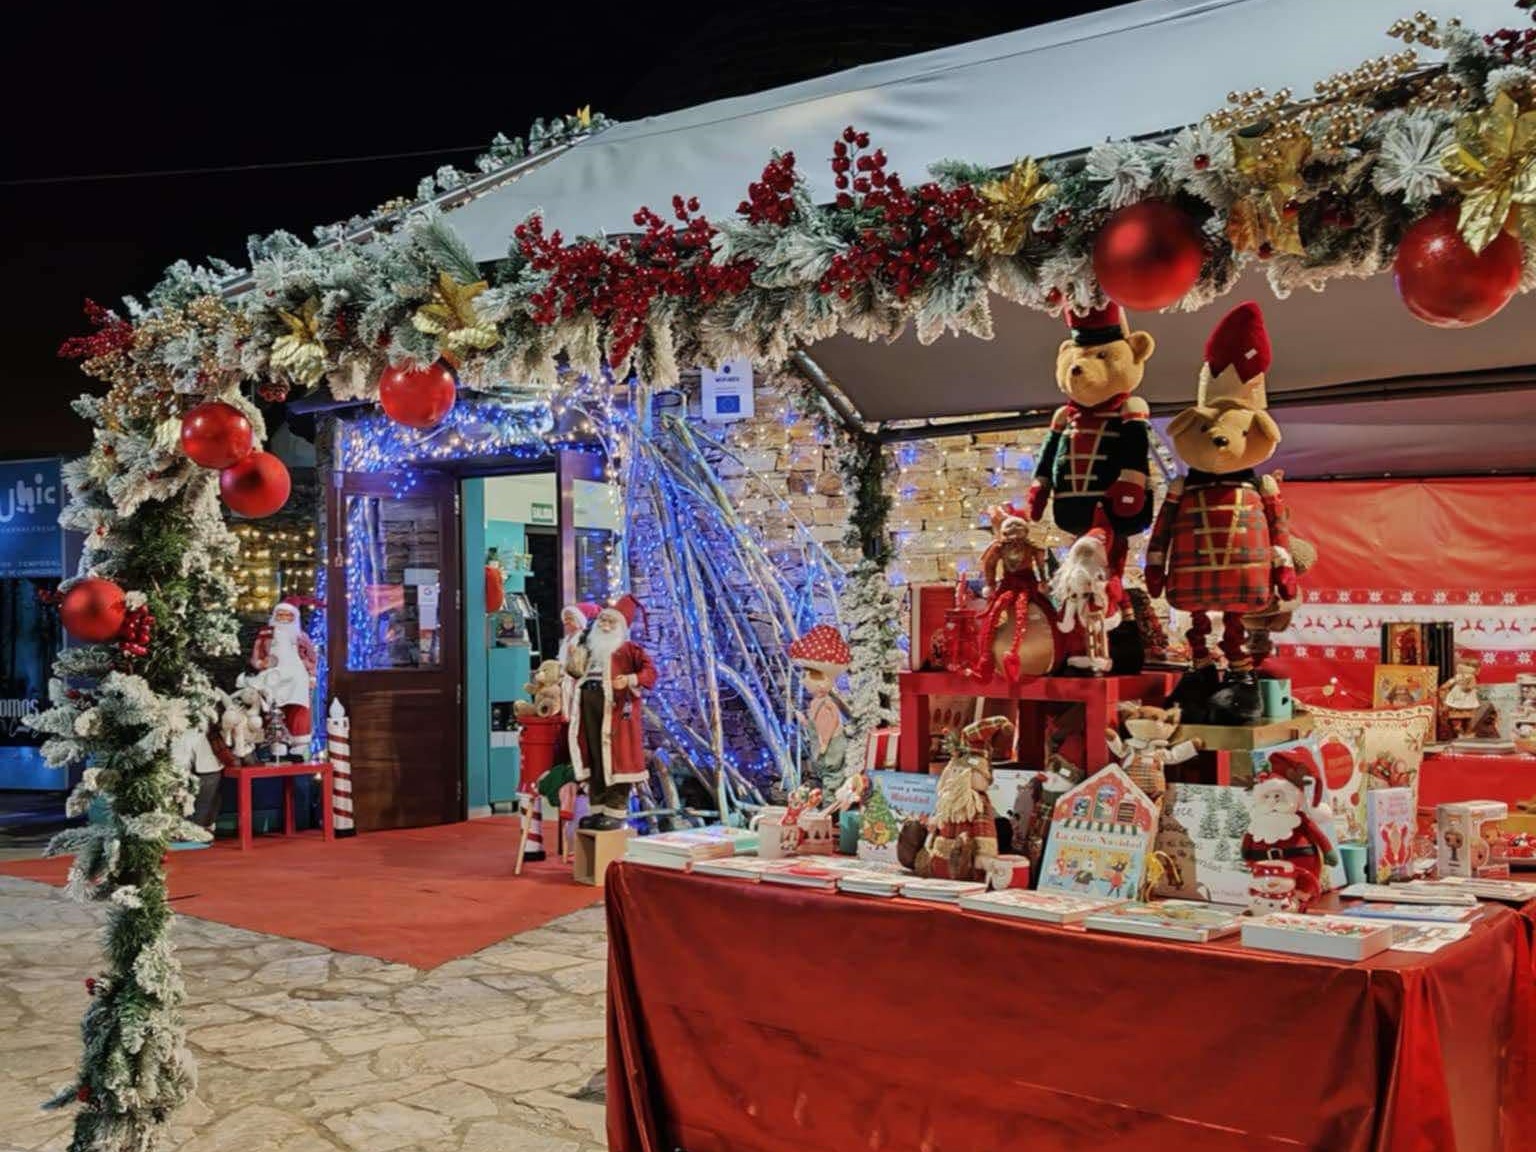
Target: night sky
[111, 89]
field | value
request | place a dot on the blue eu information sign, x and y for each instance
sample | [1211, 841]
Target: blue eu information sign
[31, 498]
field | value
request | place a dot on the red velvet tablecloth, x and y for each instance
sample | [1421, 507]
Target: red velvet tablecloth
[1446, 778]
[759, 1018]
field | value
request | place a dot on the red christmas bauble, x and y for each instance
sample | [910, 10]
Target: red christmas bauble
[257, 486]
[215, 435]
[1446, 284]
[417, 397]
[1148, 255]
[93, 610]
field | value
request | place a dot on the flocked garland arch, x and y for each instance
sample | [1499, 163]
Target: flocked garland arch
[1313, 189]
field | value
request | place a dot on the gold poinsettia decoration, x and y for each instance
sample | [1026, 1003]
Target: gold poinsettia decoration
[1494, 165]
[1266, 218]
[1003, 224]
[451, 316]
[300, 353]
[584, 116]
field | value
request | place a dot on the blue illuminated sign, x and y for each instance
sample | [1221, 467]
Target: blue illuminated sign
[31, 498]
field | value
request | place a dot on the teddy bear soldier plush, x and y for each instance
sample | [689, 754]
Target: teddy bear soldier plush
[1221, 542]
[1093, 465]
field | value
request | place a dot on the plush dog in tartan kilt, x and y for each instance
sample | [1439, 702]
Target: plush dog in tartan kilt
[1221, 542]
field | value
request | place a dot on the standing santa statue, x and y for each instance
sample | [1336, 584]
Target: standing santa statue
[574, 621]
[822, 655]
[284, 659]
[607, 748]
[1286, 824]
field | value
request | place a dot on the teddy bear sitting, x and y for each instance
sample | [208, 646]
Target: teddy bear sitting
[544, 689]
[1092, 469]
[242, 724]
[1221, 542]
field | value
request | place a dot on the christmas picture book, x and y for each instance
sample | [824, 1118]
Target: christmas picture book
[1433, 913]
[940, 891]
[1201, 830]
[1189, 920]
[1330, 937]
[1412, 893]
[1101, 830]
[1391, 826]
[893, 799]
[1022, 904]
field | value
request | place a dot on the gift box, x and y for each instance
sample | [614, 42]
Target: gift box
[1008, 872]
[1465, 836]
[880, 748]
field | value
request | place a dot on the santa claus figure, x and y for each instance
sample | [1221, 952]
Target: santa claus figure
[574, 621]
[822, 655]
[607, 749]
[1285, 822]
[284, 659]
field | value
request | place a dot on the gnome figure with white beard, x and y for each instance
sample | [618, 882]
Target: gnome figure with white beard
[607, 741]
[284, 659]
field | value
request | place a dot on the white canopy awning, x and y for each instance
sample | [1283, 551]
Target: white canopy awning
[1134, 70]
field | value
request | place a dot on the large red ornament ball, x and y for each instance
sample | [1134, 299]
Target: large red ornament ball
[1148, 255]
[215, 435]
[257, 486]
[1446, 284]
[93, 610]
[417, 397]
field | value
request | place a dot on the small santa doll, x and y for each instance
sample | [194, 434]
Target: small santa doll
[1091, 595]
[961, 840]
[606, 736]
[1284, 825]
[822, 655]
[284, 659]
[575, 619]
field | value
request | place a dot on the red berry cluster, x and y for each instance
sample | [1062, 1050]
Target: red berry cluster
[112, 334]
[133, 640]
[1513, 45]
[90, 985]
[904, 235]
[770, 200]
[619, 284]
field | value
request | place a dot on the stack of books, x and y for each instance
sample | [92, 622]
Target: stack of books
[1332, 937]
[1048, 907]
[1410, 893]
[941, 891]
[1192, 921]
[680, 849]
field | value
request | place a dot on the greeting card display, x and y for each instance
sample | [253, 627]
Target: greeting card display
[1101, 831]
[1202, 830]
[1404, 685]
[1391, 821]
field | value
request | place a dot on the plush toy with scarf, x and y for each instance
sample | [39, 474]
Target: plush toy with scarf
[961, 841]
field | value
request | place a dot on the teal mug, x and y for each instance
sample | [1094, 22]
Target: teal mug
[1354, 862]
[1278, 704]
[848, 824]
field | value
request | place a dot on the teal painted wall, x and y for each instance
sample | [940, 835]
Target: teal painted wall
[491, 674]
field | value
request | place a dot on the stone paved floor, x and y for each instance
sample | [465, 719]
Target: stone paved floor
[301, 1049]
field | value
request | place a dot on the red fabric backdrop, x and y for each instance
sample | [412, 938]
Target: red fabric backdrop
[1456, 550]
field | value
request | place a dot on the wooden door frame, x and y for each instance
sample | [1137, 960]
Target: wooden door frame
[451, 561]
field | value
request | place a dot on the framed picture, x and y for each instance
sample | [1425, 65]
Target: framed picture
[1404, 685]
[1404, 643]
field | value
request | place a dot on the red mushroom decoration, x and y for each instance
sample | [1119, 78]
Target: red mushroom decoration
[822, 648]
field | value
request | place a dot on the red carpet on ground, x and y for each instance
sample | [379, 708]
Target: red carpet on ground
[417, 896]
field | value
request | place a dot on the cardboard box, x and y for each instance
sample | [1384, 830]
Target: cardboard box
[1463, 832]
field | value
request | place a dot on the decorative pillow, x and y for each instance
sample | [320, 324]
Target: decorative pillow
[1385, 748]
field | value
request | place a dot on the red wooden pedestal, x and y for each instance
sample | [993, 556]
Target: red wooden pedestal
[243, 774]
[1098, 694]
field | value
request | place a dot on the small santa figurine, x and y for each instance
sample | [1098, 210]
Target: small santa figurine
[1091, 595]
[284, 659]
[960, 843]
[822, 655]
[575, 619]
[606, 735]
[1286, 825]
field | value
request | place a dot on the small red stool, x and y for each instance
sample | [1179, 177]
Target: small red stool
[243, 774]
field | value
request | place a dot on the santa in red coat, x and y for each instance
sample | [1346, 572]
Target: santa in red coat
[1283, 822]
[606, 735]
[284, 659]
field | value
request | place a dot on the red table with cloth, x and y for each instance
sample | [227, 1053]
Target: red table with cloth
[759, 1018]
[1445, 778]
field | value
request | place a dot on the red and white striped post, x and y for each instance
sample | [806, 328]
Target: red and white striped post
[338, 732]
